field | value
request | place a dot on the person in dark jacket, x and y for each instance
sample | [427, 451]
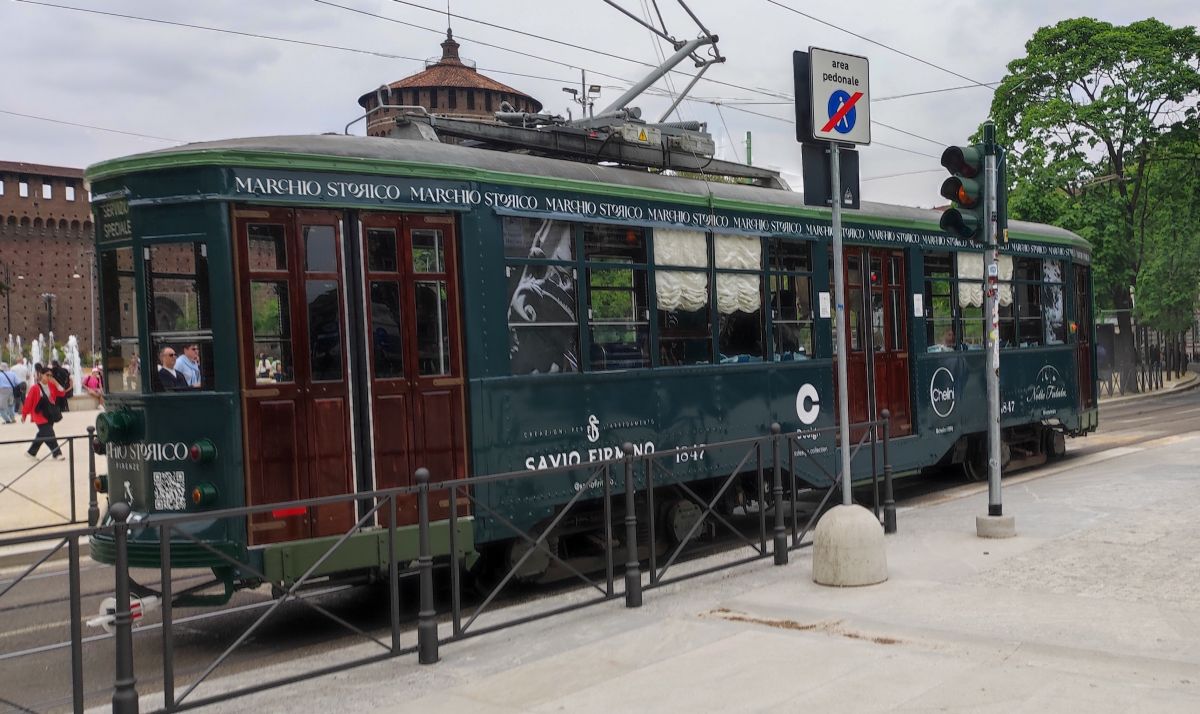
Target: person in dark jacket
[167, 379]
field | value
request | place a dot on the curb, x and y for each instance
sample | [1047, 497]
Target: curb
[27, 554]
[1187, 383]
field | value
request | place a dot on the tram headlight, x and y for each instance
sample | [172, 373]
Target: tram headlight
[204, 494]
[203, 451]
[115, 427]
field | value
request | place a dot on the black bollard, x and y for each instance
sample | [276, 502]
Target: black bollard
[427, 634]
[93, 507]
[781, 551]
[889, 501]
[633, 571]
[125, 696]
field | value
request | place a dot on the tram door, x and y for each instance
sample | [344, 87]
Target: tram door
[1083, 338]
[294, 362]
[415, 354]
[876, 340]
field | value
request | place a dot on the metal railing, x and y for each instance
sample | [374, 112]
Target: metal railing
[71, 518]
[635, 508]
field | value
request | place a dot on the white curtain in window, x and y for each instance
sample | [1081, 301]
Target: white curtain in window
[970, 279]
[738, 293]
[740, 252]
[677, 289]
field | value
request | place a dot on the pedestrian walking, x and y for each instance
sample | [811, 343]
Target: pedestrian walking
[8, 387]
[21, 370]
[40, 407]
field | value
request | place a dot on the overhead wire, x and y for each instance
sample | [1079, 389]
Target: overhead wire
[92, 126]
[387, 55]
[864, 38]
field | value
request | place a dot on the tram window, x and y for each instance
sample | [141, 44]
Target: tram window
[854, 315]
[324, 330]
[320, 249]
[791, 317]
[740, 328]
[1027, 295]
[1029, 315]
[1053, 307]
[381, 250]
[267, 247]
[791, 299]
[180, 314]
[542, 324]
[538, 239]
[939, 303]
[972, 327]
[896, 316]
[614, 244]
[878, 334]
[618, 319]
[681, 297]
[433, 330]
[790, 256]
[1008, 326]
[122, 367]
[740, 325]
[386, 345]
[427, 249]
[272, 332]
[685, 336]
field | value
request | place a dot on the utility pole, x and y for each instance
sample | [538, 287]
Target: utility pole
[585, 96]
[749, 158]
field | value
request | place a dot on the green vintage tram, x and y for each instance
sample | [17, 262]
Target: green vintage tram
[355, 308]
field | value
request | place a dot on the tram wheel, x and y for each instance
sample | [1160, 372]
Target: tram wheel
[975, 465]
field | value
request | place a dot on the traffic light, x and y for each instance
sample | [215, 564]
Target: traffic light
[965, 188]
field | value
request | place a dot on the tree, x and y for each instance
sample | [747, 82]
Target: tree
[1168, 226]
[1081, 114]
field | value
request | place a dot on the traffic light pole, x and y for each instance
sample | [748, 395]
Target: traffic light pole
[995, 508]
[839, 316]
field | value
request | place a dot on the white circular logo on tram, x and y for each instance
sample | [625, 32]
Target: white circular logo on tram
[808, 404]
[941, 392]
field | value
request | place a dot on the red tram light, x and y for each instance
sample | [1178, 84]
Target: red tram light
[203, 451]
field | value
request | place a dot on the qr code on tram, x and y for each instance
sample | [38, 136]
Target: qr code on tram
[168, 491]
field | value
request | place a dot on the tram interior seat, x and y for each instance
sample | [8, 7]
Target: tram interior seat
[617, 355]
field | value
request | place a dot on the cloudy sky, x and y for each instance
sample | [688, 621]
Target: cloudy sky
[164, 84]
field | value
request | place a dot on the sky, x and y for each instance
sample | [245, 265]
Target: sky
[169, 84]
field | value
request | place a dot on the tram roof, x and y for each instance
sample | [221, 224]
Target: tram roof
[378, 155]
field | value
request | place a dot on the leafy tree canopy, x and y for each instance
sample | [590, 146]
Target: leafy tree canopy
[1087, 115]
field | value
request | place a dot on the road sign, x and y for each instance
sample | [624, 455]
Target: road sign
[817, 180]
[840, 97]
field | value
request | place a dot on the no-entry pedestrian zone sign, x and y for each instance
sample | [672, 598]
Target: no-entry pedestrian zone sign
[841, 97]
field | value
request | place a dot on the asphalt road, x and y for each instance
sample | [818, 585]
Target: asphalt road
[35, 613]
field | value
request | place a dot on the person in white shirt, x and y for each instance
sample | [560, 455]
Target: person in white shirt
[188, 365]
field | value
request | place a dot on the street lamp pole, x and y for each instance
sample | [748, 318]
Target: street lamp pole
[49, 298]
[91, 302]
[7, 301]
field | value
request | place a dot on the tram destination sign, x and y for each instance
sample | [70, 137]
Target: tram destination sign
[840, 99]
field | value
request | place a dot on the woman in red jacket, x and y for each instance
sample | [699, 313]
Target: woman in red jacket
[49, 390]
